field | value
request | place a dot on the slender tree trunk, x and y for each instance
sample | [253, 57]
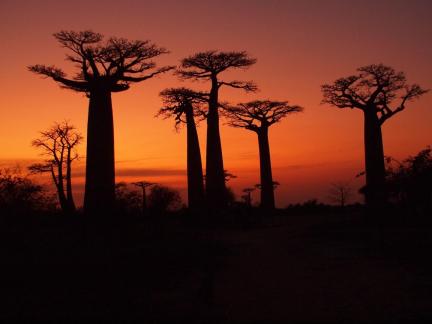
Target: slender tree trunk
[194, 164]
[375, 195]
[144, 201]
[100, 175]
[69, 196]
[60, 188]
[267, 191]
[215, 177]
[58, 182]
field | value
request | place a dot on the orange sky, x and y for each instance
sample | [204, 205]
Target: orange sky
[299, 46]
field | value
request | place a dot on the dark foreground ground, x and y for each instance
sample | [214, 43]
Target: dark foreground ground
[300, 268]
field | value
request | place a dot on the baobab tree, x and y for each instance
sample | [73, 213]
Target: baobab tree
[258, 116]
[144, 185]
[207, 66]
[59, 144]
[379, 92]
[184, 105]
[248, 196]
[103, 68]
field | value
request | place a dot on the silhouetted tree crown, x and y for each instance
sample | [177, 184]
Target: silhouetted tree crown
[377, 86]
[177, 101]
[259, 113]
[207, 65]
[116, 63]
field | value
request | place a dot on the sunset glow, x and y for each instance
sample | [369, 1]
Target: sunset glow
[299, 45]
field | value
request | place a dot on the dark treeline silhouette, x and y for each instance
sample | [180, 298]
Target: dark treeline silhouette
[103, 68]
[380, 92]
[207, 66]
[258, 116]
[159, 200]
[20, 195]
[59, 145]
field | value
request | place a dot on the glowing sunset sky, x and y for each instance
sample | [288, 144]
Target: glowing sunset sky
[299, 46]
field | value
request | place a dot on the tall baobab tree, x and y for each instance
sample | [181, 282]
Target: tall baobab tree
[103, 68]
[258, 116]
[379, 92]
[184, 105]
[144, 185]
[207, 66]
[59, 144]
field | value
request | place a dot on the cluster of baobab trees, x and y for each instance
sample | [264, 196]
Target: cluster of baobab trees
[113, 65]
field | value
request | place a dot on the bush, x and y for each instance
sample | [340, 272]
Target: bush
[20, 195]
[164, 199]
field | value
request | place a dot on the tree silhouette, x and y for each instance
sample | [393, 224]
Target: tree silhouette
[184, 105]
[248, 196]
[258, 116]
[340, 193]
[163, 199]
[103, 68]
[410, 181]
[380, 92]
[207, 66]
[143, 185]
[59, 144]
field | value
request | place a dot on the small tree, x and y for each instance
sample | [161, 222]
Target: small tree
[103, 68]
[59, 145]
[144, 185]
[410, 181]
[258, 116]
[127, 200]
[20, 195]
[248, 196]
[207, 66]
[380, 93]
[184, 105]
[340, 193]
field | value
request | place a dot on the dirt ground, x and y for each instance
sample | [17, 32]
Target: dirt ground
[290, 269]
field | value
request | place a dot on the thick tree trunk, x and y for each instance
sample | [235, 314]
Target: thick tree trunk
[100, 177]
[69, 196]
[194, 164]
[215, 177]
[267, 191]
[375, 195]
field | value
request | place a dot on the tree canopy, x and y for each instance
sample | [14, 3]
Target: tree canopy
[378, 86]
[117, 62]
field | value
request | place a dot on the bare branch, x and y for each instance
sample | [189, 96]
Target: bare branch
[59, 76]
[248, 86]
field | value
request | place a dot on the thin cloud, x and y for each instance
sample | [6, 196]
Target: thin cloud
[141, 172]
